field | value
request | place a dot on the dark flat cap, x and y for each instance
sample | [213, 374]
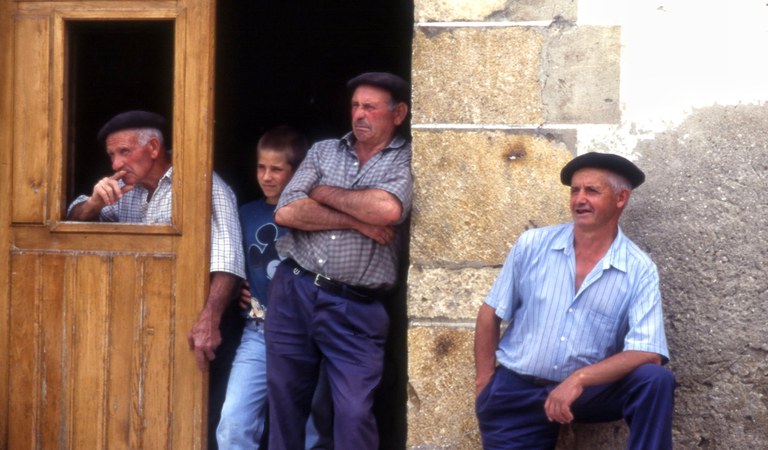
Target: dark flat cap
[607, 161]
[131, 120]
[396, 86]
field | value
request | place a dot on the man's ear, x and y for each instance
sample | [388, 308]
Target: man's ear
[154, 147]
[622, 198]
[401, 111]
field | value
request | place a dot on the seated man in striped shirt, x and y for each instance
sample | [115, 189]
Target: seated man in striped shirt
[585, 340]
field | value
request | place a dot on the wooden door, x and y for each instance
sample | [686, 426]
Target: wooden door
[93, 317]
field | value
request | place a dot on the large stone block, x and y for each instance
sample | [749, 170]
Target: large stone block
[493, 10]
[593, 436]
[448, 294]
[475, 192]
[580, 70]
[476, 75]
[441, 400]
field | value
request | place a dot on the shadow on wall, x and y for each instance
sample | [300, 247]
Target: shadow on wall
[702, 216]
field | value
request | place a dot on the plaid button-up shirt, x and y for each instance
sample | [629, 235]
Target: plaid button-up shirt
[346, 255]
[226, 238]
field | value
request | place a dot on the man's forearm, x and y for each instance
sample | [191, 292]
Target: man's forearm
[614, 368]
[487, 331]
[84, 211]
[222, 290]
[308, 215]
[371, 206]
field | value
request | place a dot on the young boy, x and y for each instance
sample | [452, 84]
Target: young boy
[279, 152]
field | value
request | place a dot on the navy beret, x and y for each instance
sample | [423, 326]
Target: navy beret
[607, 161]
[396, 86]
[132, 120]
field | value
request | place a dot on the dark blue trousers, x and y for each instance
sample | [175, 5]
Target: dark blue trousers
[304, 325]
[511, 414]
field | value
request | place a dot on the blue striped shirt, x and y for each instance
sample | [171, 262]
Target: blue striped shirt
[553, 330]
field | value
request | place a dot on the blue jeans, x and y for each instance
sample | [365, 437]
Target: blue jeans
[245, 406]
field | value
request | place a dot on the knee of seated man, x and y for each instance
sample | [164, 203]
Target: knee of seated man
[655, 375]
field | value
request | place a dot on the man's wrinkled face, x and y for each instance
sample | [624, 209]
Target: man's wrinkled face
[373, 121]
[126, 154]
[593, 201]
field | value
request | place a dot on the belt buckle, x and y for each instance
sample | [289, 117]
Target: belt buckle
[319, 277]
[257, 311]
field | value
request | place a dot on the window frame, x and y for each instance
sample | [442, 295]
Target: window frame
[60, 120]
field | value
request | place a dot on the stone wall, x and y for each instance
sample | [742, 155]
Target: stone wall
[502, 91]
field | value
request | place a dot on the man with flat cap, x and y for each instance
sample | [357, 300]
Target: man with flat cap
[585, 339]
[345, 208]
[140, 192]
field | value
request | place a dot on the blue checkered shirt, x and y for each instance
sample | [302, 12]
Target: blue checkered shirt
[226, 239]
[553, 330]
[346, 255]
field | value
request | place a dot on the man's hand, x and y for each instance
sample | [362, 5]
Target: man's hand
[245, 296]
[609, 370]
[204, 338]
[481, 381]
[108, 191]
[381, 234]
[558, 404]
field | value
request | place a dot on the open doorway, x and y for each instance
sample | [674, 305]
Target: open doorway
[288, 63]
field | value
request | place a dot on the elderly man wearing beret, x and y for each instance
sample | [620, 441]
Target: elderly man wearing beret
[345, 208]
[585, 340]
[140, 192]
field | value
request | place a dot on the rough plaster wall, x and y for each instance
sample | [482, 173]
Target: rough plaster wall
[702, 216]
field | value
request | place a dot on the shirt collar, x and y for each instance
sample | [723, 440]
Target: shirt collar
[396, 142]
[616, 255]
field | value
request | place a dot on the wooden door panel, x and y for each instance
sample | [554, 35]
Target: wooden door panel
[55, 313]
[88, 351]
[157, 352]
[24, 377]
[93, 342]
[31, 119]
[125, 357]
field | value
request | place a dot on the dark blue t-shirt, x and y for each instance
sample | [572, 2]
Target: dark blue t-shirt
[259, 235]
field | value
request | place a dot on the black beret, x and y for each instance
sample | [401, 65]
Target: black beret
[131, 120]
[396, 86]
[607, 161]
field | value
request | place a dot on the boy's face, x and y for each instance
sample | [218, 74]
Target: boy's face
[273, 173]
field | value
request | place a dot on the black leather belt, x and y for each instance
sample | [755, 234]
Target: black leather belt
[336, 287]
[541, 382]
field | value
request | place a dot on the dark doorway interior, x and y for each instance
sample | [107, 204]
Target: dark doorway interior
[288, 62]
[113, 66]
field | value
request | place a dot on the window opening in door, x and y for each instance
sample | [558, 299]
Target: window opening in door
[112, 66]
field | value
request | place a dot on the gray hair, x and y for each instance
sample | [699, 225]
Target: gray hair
[143, 135]
[618, 182]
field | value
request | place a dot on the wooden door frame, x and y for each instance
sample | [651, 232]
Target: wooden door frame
[6, 140]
